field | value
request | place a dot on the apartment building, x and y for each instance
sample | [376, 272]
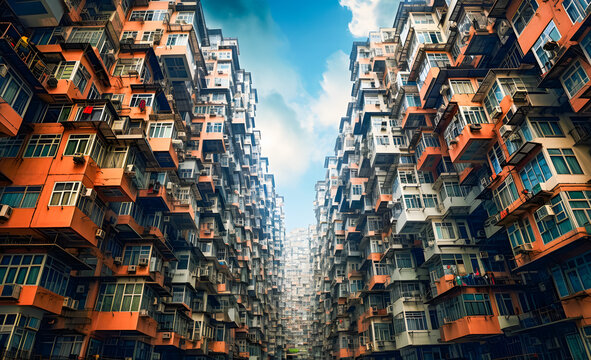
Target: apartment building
[453, 220]
[297, 293]
[138, 216]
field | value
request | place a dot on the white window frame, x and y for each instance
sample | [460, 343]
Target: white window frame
[136, 98]
[73, 191]
[78, 138]
[571, 71]
[177, 40]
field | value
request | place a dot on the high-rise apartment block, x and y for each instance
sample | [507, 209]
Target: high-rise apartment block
[297, 293]
[454, 218]
[138, 218]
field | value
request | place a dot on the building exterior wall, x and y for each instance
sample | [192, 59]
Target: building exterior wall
[139, 219]
[451, 223]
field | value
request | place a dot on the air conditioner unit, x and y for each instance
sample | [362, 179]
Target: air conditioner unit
[100, 234]
[166, 219]
[170, 186]
[80, 289]
[79, 158]
[481, 234]
[519, 94]
[523, 248]
[545, 212]
[118, 260]
[120, 126]
[3, 70]
[499, 257]
[131, 269]
[166, 336]
[143, 313]
[130, 170]
[143, 261]
[5, 212]
[182, 134]
[506, 130]
[484, 254]
[89, 193]
[496, 112]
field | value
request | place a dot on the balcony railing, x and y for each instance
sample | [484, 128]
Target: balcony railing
[581, 134]
[542, 316]
[27, 52]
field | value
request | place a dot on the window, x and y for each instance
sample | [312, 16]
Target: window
[42, 145]
[493, 98]
[520, 232]
[133, 254]
[534, 172]
[524, 14]
[78, 144]
[429, 37]
[477, 304]
[576, 9]
[574, 78]
[57, 113]
[580, 204]
[550, 34]
[119, 297]
[148, 15]
[554, 226]
[496, 157]
[20, 196]
[547, 127]
[20, 269]
[73, 70]
[161, 130]
[574, 275]
[430, 200]
[565, 161]
[423, 18]
[177, 39]
[403, 260]
[415, 320]
[357, 189]
[184, 17]
[425, 177]
[64, 194]
[412, 201]
[506, 193]
[445, 230]
[214, 127]
[461, 87]
[15, 93]
[505, 304]
[473, 115]
[10, 146]
[127, 67]
[86, 35]
[129, 35]
[137, 98]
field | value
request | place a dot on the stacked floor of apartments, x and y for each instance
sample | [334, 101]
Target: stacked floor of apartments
[297, 292]
[453, 221]
[138, 218]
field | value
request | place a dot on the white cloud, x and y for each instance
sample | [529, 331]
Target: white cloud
[369, 15]
[299, 130]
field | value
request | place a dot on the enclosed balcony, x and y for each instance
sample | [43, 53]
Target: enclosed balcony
[469, 135]
[428, 152]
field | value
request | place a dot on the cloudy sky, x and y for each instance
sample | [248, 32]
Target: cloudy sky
[298, 53]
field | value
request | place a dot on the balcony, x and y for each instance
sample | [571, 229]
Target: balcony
[416, 338]
[115, 184]
[428, 152]
[155, 197]
[472, 143]
[543, 316]
[470, 328]
[26, 59]
[135, 322]
[30, 295]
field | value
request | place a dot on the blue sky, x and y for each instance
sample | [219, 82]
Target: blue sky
[298, 53]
